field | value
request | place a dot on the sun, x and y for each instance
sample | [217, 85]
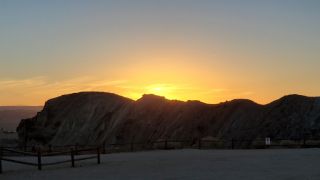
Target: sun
[159, 89]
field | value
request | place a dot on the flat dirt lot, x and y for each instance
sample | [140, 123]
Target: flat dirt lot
[286, 164]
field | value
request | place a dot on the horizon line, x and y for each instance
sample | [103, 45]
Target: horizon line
[293, 94]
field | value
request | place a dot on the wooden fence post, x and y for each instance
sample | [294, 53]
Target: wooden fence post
[72, 157]
[98, 155]
[104, 148]
[131, 146]
[1, 154]
[199, 143]
[232, 143]
[39, 159]
[166, 144]
[76, 149]
[50, 148]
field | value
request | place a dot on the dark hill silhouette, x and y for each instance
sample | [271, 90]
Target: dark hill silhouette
[97, 117]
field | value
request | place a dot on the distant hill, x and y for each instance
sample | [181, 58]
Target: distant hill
[96, 117]
[10, 116]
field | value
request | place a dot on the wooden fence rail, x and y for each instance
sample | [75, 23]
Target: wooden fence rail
[171, 143]
[39, 157]
[211, 144]
[75, 150]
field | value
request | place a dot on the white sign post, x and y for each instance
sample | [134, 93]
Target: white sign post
[268, 141]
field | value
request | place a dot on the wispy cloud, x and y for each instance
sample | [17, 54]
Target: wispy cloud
[13, 83]
[38, 89]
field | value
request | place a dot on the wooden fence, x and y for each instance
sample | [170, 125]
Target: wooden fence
[75, 150]
[39, 156]
[210, 144]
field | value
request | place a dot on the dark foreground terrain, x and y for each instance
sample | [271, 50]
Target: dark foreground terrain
[275, 164]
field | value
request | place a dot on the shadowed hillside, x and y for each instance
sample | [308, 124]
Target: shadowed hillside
[96, 117]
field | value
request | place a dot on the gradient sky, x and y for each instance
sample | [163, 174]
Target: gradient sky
[183, 49]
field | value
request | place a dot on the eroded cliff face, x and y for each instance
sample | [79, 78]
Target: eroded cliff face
[76, 118]
[96, 117]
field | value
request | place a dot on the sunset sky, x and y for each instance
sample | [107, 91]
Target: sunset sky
[204, 50]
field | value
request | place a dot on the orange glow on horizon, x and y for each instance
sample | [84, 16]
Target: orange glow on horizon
[175, 76]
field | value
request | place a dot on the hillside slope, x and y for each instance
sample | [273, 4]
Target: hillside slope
[96, 117]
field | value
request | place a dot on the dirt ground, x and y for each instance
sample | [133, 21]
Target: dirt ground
[286, 164]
